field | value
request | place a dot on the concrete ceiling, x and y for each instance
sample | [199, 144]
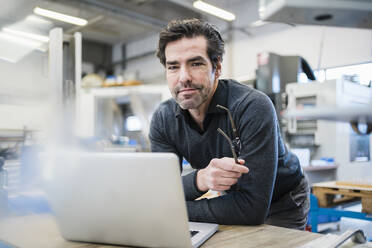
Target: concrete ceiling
[113, 21]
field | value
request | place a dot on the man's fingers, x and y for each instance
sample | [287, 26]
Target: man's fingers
[221, 174]
[238, 168]
[225, 184]
[231, 174]
[233, 167]
[227, 181]
[221, 188]
[228, 164]
[241, 169]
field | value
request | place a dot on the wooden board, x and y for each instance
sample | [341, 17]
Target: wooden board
[345, 185]
[331, 194]
[367, 205]
[355, 184]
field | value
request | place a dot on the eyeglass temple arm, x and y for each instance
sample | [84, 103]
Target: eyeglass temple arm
[231, 119]
[231, 145]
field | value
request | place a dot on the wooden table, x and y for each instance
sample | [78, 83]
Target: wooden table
[38, 231]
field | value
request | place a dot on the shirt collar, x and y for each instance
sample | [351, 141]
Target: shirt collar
[219, 97]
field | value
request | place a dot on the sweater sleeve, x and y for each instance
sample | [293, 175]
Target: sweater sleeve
[248, 202]
[161, 143]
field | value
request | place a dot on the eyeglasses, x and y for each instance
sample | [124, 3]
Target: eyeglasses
[235, 144]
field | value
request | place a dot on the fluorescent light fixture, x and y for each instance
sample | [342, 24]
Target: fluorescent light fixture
[20, 40]
[213, 10]
[60, 16]
[32, 36]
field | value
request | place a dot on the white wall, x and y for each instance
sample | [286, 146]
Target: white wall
[147, 68]
[23, 92]
[341, 46]
[28, 75]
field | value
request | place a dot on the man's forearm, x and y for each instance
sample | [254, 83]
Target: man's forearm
[234, 208]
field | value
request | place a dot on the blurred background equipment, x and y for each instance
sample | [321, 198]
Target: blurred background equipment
[274, 72]
[119, 117]
[330, 141]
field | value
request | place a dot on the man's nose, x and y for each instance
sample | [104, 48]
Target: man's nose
[184, 76]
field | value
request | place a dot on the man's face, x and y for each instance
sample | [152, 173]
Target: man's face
[190, 75]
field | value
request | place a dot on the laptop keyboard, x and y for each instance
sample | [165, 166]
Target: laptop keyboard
[193, 233]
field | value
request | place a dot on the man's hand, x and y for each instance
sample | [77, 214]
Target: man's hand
[220, 174]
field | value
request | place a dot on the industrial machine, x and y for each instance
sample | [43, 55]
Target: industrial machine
[337, 141]
[274, 72]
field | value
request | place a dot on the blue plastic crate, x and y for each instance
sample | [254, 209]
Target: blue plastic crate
[324, 219]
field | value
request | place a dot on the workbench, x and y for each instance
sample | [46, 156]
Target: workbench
[40, 231]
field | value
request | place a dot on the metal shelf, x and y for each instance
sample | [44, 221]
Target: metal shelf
[320, 167]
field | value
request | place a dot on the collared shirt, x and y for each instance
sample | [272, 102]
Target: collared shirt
[273, 170]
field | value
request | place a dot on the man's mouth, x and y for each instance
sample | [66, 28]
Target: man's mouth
[185, 90]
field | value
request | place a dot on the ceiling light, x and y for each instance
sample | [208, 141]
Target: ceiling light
[213, 10]
[37, 37]
[20, 40]
[60, 16]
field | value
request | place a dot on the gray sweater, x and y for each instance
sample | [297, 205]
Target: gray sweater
[273, 170]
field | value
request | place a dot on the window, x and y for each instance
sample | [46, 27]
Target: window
[133, 123]
[360, 73]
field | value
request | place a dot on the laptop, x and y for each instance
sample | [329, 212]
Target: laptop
[132, 199]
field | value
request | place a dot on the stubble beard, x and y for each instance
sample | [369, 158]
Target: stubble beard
[193, 101]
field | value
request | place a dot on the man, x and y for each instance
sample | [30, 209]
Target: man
[274, 191]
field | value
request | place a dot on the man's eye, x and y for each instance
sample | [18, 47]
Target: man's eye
[196, 64]
[172, 67]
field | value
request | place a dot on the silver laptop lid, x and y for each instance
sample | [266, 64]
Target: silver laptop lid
[131, 199]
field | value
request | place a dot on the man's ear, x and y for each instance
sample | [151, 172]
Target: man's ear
[217, 72]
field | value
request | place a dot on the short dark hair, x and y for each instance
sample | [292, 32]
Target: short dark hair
[189, 28]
